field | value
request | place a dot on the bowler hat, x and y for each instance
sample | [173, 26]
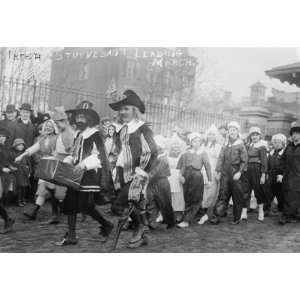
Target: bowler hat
[26, 106]
[85, 107]
[129, 98]
[10, 108]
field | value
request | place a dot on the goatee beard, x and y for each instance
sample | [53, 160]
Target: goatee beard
[81, 126]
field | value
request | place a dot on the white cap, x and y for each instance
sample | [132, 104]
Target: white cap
[254, 129]
[234, 124]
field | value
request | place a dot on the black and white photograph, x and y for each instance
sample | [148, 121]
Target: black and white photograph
[149, 150]
[120, 149]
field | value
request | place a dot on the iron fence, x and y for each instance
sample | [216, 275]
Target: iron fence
[43, 96]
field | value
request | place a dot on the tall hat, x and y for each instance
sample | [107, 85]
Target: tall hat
[10, 108]
[59, 114]
[254, 129]
[18, 142]
[295, 128]
[26, 106]
[85, 108]
[129, 98]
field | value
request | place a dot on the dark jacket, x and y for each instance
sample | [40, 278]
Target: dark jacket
[18, 129]
[161, 169]
[23, 168]
[196, 161]
[142, 148]
[4, 123]
[6, 161]
[6, 158]
[94, 179]
[275, 163]
[233, 158]
[257, 154]
[291, 167]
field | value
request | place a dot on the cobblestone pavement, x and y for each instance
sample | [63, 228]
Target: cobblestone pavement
[250, 236]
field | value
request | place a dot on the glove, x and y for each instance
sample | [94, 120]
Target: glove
[279, 178]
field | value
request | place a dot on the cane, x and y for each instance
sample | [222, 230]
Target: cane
[121, 222]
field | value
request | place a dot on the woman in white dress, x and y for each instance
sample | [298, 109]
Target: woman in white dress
[176, 147]
[213, 148]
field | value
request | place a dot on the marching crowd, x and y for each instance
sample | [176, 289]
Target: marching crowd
[179, 180]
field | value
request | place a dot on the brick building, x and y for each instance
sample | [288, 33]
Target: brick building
[159, 75]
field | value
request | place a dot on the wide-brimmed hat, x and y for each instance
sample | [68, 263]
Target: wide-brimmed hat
[26, 106]
[85, 108]
[4, 132]
[129, 98]
[10, 108]
[254, 129]
[18, 142]
[295, 128]
[59, 114]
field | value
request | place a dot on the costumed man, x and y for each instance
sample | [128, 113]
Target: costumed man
[291, 176]
[88, 155]
[57, 142]
[230, 169]
[137, 154]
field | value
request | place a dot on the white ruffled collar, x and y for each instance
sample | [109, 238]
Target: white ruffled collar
[133, 125]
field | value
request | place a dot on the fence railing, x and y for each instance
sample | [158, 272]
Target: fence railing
[44, 96]
[165, 117]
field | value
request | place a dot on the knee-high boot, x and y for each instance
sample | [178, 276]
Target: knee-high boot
[70, 237]
[8, 222]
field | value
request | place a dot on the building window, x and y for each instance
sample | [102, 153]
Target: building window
[84, 72]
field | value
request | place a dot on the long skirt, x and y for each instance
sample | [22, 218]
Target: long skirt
[159, 193]
[193, 193]
[176, 187]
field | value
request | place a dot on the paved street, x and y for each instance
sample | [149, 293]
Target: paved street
[250, 236]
